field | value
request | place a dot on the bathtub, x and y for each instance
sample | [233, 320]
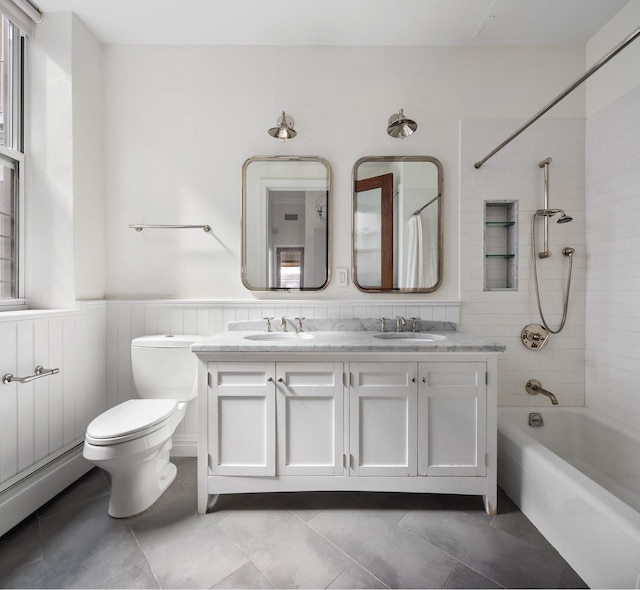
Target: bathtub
[577, 479]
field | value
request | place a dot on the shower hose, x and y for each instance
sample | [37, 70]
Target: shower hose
[569, 252]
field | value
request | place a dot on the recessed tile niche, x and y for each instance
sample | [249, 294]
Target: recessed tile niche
[500, 246]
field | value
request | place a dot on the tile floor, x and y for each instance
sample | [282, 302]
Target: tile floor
[301, 540]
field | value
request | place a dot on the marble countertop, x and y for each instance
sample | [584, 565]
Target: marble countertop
[344, 341]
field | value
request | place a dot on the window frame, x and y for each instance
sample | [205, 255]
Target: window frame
[13, 152]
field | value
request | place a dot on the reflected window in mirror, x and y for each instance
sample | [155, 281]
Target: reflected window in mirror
[285, 223]
[397, 223]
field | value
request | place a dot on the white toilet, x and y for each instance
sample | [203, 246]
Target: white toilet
[132, 440]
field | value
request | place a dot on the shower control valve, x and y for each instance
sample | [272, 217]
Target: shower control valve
[534, 336]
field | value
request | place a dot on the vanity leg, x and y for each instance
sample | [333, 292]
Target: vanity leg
[491, 504]
[213, 500]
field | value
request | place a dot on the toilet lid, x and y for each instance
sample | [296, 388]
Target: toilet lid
[131, 419]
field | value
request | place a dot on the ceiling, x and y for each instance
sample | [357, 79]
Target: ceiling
[341, 22]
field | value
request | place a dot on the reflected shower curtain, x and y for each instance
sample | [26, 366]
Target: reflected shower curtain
[415, 261]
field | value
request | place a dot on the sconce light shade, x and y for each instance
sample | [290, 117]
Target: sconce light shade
[284, 128]
[399, 126]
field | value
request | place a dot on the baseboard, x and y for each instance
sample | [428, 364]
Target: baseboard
[27, 495]
[184, 445]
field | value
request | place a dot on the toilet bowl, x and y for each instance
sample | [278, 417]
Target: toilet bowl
[132, 441]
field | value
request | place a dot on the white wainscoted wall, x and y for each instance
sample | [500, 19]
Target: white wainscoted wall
[129, 319]
[514, 175]
[42, 423]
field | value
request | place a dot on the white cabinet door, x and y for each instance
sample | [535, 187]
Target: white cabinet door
[242, 421]
[383, 425]
[452, 418]
[309, 402]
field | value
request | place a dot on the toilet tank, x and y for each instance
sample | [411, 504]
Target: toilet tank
[164, 366]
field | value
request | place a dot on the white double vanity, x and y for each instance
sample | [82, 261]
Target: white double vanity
[344, 406]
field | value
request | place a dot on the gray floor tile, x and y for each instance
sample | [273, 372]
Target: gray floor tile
[89, 487]
[465, 577]
[284, 548]
[248, 576]
[306, 505]
[31, 576]
[310, 539]
[183, 548]
[139, 576]
[21, 546]
[571, 579]
[85, 547]
[495, 554]
[357, 577]
[396, 556]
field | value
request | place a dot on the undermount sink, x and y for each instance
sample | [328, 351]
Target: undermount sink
[280, 336]
[409, 336]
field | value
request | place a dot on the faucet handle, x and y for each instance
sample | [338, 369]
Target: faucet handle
[283, 323]
[299, 328]
[268, 326]
[383, 327]
[415, 327]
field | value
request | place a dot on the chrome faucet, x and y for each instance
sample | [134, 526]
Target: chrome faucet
[399, 323]
[534, 387]
[299, 328]
[283, 323]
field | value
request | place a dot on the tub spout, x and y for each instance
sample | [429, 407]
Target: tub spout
[534, 387]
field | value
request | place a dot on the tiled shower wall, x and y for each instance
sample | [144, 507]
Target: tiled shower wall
[613, 270]
[127, 320]
[514, 175]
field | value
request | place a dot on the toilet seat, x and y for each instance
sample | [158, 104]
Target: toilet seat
[130, 420]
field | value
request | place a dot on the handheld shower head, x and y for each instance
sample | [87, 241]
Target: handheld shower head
[564, 218]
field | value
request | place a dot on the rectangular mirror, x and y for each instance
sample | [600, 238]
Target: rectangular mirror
[285, 223]
[397, 223]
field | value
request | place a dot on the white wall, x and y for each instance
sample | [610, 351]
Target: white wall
[65, 181]
[613, 226]
[181, 121]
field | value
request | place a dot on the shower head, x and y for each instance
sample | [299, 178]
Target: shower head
[564, 218]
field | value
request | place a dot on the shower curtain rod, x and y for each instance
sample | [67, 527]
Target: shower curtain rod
[424, 206]
[594, 68]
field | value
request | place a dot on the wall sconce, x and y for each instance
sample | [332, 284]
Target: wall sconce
[399, 126]
[284, 128]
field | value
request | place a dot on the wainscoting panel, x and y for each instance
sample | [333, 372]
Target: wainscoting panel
[43, 422]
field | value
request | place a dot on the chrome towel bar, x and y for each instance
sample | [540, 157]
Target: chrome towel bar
[40, 371]
[141, 226]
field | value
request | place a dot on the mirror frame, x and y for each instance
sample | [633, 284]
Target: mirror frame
[280, 159]
[354, 238]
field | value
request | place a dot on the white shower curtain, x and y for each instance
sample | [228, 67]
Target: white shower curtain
[415, 262]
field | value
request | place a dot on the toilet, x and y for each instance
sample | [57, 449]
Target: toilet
[132, 440]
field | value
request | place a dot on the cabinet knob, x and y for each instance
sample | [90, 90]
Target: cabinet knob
[280, 380]
[424, 379]
[270, 379]
[413, 379]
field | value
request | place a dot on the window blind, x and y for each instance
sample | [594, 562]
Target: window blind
[22, 13]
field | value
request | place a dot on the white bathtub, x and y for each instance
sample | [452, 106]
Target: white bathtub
[577, 478]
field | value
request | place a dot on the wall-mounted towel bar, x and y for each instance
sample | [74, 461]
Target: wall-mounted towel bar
[141, 226]
[39, 372]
